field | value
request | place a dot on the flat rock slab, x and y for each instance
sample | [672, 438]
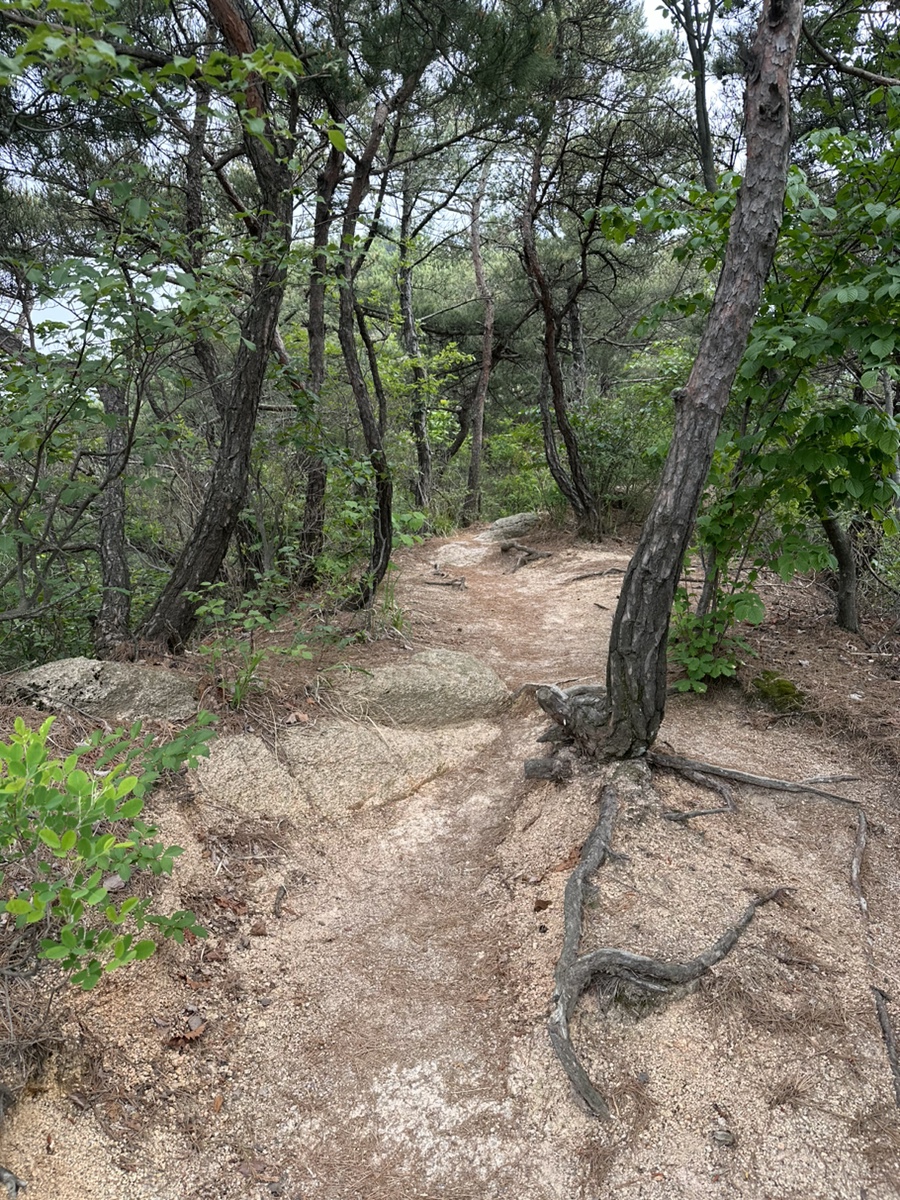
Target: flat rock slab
[242, 773]
[349, 765]
[506, 528]
[433, 689]
[459, 554]
[114, 691]
[337, 768]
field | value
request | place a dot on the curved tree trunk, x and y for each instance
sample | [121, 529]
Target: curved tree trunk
[472, 504]
[841, 542]
[382, 518]
[572, 483]
[636, 669]
[173, 616]
[312, 530]
[409, 337]
[112, 627]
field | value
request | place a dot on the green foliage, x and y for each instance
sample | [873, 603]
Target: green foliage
[624, 435]
[516, 477]
[69, 835]
[704, 646]
[231, 635]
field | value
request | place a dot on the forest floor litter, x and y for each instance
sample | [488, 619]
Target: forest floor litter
[367, 1019]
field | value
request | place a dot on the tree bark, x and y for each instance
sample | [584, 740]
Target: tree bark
[112, 627]
[409, 336]
[572, 483]
[382, 517]
[173, 616]
[841, 543]
[636, 668]
[312, 530]
[472, 503]
[697, 29]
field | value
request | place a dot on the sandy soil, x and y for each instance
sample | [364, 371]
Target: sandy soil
[384, 1036]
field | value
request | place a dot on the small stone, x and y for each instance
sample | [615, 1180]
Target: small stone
[723, 1137]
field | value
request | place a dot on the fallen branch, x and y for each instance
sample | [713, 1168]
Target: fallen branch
[862, 831]
[890, 1042]
[505, 546]
[526, 554]
[594, 575]
[675, 762]
[460, 582]
[575, 973]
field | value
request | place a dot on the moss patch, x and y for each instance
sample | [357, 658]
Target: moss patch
[779, 693]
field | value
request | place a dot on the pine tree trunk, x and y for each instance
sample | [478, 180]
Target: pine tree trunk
[409, 337]
[112, 626]
[312, 529]
[472, 503]
[573, 482]
[382, 517]
[636, 669]
[173, 616]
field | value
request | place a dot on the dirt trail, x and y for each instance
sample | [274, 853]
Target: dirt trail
[384, 1036]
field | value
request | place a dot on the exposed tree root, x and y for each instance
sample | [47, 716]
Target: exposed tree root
[675, 762]
[682, 818]
[862, 833]
[526, 554]
[580, 713]
[11, 1183]
[643, 976]
[881, 998]
[890, 1042]
[718, 786]
[556, 769]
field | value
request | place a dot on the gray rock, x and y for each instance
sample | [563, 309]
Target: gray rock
[242, 774]
[459, 554]
[335, 768]
[431, 690]
[516, 526]
[349, 765]
[114, 691]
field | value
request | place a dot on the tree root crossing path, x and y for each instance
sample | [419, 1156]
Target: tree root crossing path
[428, 976]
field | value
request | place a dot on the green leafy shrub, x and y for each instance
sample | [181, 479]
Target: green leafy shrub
[68, 836]
[231, 645]
[704, 646]
[516, 477]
